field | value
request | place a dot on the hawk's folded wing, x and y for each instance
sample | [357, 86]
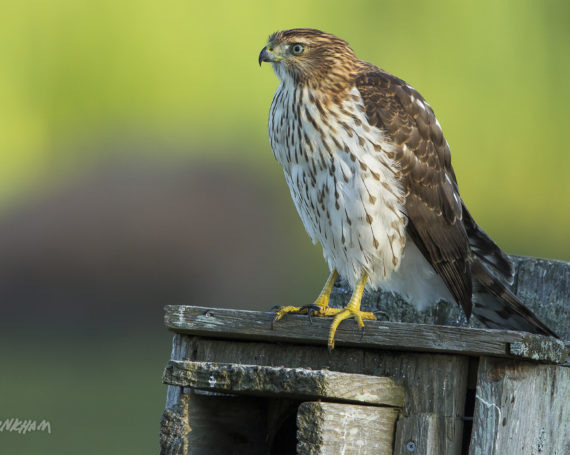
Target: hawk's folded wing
[433, 204]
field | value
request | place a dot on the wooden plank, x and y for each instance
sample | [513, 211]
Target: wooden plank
[434, 383]
[423, 434]
[299, 383]
[174, 428]
[544, 286]
[531, 348]
[253, 325]
[332, 428]
[521, 407]
[436, 388]
[179, 349]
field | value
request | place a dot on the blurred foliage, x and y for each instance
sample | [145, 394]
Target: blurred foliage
[75, 73]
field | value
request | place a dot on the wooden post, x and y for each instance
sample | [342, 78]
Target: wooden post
[238, 385]
[521, 407]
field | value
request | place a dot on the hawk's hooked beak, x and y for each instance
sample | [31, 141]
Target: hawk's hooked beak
[266, 55]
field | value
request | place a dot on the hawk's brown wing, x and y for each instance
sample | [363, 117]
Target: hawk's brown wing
[433, 205]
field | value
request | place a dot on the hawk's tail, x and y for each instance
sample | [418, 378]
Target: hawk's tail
[486, 250]
[497, 307]
[493, 303]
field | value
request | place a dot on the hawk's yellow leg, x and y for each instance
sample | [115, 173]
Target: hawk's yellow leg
[352, 310]
[321, 307]
[322, 302]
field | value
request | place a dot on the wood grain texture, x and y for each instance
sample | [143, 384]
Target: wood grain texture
[332, 428]
[544, 286]
[299, 383]
[236, 324]
[436, 388]
[178, 351]
[175, 428]
[434, 383]
[423, 434]
[521, 408]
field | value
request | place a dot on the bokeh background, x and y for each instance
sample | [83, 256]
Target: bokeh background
[136, 172]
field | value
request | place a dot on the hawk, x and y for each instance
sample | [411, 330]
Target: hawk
[370, 173]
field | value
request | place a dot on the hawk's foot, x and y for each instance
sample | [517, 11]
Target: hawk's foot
[320, 307]
[283, 311]
[351, 311]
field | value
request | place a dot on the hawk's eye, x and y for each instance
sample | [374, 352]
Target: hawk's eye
[297, 49]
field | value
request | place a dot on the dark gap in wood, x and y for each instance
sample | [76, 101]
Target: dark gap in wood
[284, 440]
[469, 404]
[226, 424]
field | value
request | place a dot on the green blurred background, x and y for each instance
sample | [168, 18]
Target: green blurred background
[136, 172]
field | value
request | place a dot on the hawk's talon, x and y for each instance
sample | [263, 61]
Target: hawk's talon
[382, 314]
[319, 307]
[283, 311]
[352, 310]
[312, 308]
[274, 319]
[349, 313]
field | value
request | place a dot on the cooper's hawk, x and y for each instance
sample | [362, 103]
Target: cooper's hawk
[370, 175]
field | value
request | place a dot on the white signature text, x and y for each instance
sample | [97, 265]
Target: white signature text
[23, 426]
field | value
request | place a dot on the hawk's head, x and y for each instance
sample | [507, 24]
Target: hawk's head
[306, 54]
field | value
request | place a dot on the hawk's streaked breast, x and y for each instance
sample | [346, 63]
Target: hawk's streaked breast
[343, 180]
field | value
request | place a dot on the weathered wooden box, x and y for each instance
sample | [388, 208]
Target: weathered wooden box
[238, 386]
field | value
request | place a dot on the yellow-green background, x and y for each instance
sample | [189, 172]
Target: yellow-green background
[79, 79]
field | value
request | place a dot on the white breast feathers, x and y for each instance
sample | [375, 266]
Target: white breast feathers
[343, 180]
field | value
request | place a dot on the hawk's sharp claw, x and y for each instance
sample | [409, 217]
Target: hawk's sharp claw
[382, 314]
[310, 308]
[275, 319]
